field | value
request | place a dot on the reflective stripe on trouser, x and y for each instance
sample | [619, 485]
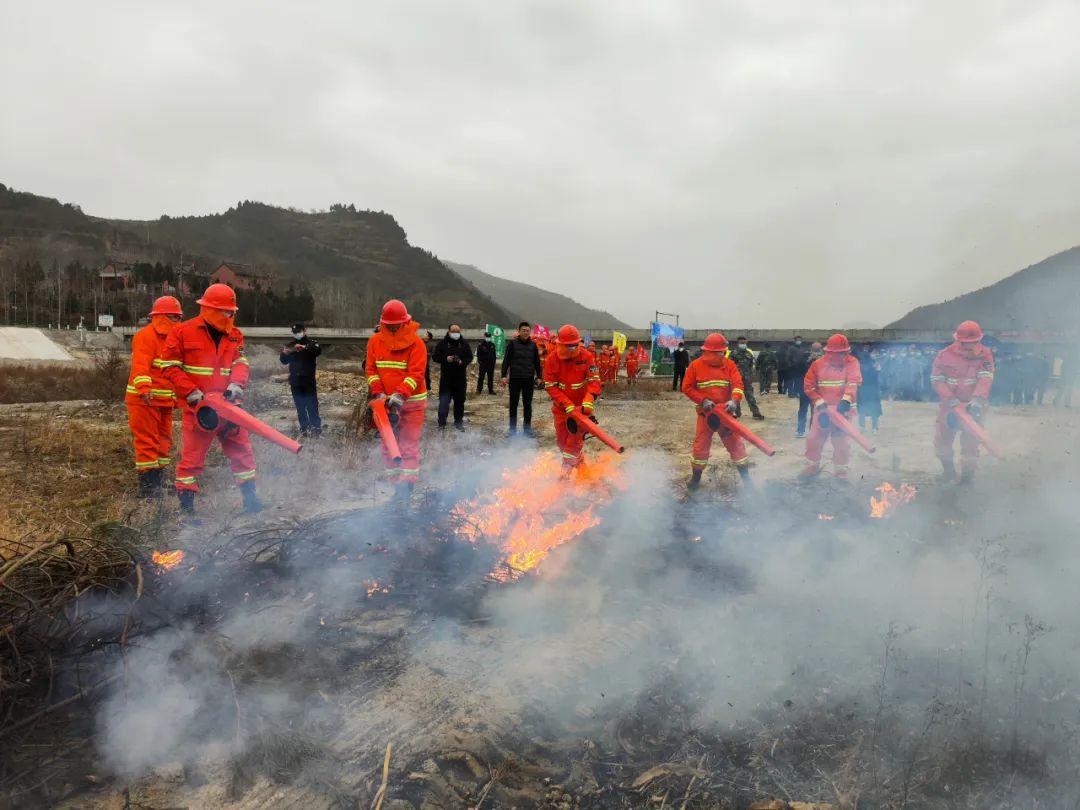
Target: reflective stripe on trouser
[235, 444]
[410, 426]
[702, 448]
[151, 433]
[570, 444]
[815, 442]
[945, 436]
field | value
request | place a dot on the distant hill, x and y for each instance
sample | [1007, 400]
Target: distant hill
[352, 260]
[535, 304]
[1043, 297]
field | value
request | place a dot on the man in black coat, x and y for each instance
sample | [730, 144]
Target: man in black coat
[453, 355]
[798, 363]
[299, 355]
[681, 358]
[485, 361]
[521, 368]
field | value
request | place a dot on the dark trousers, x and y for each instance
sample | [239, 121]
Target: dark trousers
[489, 372]
[766, 380]
[781, 380]
[521, 387]
[676, 381]
[306, 399]
[452, 391]
[804, 407]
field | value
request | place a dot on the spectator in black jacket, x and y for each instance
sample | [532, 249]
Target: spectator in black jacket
[485, 362]
[681, 358]
[521, 367]
[453, 355]
[299, 355]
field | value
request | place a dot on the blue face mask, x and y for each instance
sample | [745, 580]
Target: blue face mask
[455, 335]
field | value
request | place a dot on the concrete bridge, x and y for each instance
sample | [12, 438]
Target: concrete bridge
[693, 337]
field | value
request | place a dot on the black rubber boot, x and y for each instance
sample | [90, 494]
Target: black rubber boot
[744, 475]
[403, 491]
[967, 476]
[695, 478]
[149, 482]
[252, 504]
[187, 501]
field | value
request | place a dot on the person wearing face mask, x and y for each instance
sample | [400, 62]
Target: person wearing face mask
[744, 359]
[962, 374]
[798, 362]
[714, 380]
[572, 380]
[485, 363]
[453, 354]
[394, 365]
[299, 356]
[832, 385]
[206, 354]
[150, 397]
[766, 368]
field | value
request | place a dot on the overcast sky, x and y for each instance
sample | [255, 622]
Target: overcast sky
[778, 163]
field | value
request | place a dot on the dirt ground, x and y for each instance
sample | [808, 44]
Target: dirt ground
[66, 468]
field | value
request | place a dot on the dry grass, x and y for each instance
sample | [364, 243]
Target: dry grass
[61, 473]
[104, 379]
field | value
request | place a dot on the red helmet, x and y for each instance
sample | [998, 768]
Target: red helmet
[715, 342]
[166, 305]
[968, 332]
[394, 312]
[568, 335]
[838, 343]
[219, 296]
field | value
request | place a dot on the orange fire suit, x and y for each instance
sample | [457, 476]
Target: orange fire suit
[572, 383]
[717, 379]
[151, 423]
[632, 366]
[832, 379]
[956, 376]
[193, 361]
[395, 364]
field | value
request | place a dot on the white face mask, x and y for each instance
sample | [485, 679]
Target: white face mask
[298, 335]
[742, 345]
[455, 335]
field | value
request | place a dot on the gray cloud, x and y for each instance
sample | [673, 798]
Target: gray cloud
[740, 163]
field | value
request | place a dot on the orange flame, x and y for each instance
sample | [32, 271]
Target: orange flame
[168, 560]
[537, 509]
[374, 587]
[890, 499]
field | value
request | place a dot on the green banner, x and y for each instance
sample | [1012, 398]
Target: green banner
[498, 337]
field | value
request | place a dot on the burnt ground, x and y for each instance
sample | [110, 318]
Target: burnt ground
[299, 671]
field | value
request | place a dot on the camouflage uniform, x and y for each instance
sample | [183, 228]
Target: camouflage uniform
[744, 359]
[766, 368]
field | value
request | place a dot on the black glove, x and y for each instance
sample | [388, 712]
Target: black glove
[843, 406]
[975, 408]
[824, 421]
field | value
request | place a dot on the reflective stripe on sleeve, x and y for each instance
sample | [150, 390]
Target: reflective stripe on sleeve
[391, 364]
[409, 381]
[198, 371]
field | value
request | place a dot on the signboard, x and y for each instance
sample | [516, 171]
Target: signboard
[665, 340]
[498, 337]
[105, 321]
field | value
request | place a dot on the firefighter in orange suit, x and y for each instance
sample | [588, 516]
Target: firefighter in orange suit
[204, 355]
[572, 380]
[713, 380]
[395, 363]
[962, 374]
[150, 398]
[633, 364]
[832, 385]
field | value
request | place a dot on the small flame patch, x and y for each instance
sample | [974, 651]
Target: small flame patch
[890, 499]
[167, 560]
[537, 509]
